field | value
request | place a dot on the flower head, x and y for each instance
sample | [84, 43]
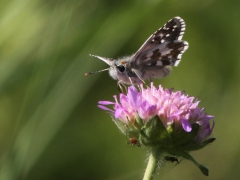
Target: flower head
[161, 118]
[170, 107]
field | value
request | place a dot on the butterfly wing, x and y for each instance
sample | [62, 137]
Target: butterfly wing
[164, 47]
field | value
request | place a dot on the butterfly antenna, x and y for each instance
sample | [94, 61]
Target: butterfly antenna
[106, 60]
[87, 74]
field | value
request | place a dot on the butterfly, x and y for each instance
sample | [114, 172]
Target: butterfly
[154, 59]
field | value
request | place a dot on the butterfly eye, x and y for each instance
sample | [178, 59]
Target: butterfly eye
[121, 68]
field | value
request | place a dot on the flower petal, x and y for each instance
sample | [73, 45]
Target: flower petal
[186, 125]
[106, 102]
[133, 97]
[105, 108]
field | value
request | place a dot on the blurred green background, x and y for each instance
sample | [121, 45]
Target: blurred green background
[50, 126]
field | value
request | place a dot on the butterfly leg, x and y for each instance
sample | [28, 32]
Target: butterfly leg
[130, 80]
[120, 85]
[119, 88]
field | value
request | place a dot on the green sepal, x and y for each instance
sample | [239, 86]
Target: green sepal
[139, 122]
[122, 126]
[154, 133]
[134, 128]
[131, 129]
[208, 141]
[187, 156]
[182, 138]
[195, 147]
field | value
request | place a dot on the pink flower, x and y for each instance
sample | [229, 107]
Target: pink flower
[171, 108]
[166, 121]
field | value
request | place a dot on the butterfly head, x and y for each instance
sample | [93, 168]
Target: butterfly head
[117, 68]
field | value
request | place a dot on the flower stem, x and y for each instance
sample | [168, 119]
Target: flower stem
[152, 164]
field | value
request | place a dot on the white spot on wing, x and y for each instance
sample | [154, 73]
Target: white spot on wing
[176, 63]
[179, 37]
[179, 56]
[186, 46]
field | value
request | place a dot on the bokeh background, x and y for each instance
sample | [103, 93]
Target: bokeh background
[50, 126]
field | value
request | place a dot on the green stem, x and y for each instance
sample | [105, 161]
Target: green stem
[152, 164]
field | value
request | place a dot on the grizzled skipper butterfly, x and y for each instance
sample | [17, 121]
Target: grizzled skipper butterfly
[155, 57]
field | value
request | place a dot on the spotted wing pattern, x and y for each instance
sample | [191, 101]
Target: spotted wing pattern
[164, 47]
